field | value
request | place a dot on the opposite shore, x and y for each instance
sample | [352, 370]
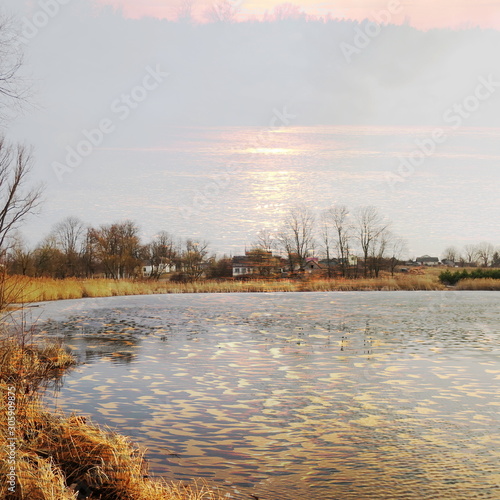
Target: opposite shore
[22, 289]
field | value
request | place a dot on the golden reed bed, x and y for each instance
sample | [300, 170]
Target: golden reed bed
[21, 289]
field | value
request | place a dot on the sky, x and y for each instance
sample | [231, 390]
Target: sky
[423, 14]
[213, 129]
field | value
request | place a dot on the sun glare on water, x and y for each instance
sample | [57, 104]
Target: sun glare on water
[270, 151]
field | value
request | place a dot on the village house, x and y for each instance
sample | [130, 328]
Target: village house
[257, 262]
[351, 261]
[148, 270]
[313, 266]
[448, 263]
[427, 260]
[243, 266]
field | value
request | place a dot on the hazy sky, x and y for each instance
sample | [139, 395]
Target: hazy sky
[422, 13]
[159, 109]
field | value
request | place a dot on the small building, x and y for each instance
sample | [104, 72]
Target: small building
[427, 260]
[352, 260]
[148, 270]
[243, 266]
[257, 262]
[313, 266]
[448, 263]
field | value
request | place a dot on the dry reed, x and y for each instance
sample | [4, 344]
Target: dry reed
[21, 289]
[478, 284]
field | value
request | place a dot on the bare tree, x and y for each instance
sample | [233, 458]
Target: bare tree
[69, 235]
[185, 11]
[285, 243]
[13, 90]
[451, 254]
[326, 237]
[161, 254]
[16, 200]
[296, 236]
[470, 254]
[48, 259]
[370, 225]
[287, 11]
[379, 251]
[265, 240]
[485, 253]
[222, 11]
[337, 232]
[20, 258]
[193, 259]
[397, 249]
[89, 253]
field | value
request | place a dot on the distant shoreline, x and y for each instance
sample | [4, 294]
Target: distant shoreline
[25, 290]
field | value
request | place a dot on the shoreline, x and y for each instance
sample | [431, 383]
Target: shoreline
[21, 290]
[50, 454]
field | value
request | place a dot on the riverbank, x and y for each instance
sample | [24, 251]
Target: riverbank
[22, 289]
[56, 457]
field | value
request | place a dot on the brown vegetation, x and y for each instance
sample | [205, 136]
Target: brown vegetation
[478, 284]
[21, 289]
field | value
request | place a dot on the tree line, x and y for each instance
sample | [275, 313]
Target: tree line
[115, 251]
[482, 254]
[73, 249]
[349, 243]
[337, 234]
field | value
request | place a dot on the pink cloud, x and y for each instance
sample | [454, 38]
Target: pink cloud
[423, 14]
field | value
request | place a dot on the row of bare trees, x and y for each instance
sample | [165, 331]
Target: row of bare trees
[73, 249]
[483, 254]
[338, 234]
[226, 11]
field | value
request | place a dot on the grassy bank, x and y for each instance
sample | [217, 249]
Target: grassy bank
[26, 290]
[55, 457]
[479, 284]
[22, 289]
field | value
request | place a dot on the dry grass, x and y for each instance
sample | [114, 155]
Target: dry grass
[65, 458]
[478, 284]
[384, 283]
[20, 289]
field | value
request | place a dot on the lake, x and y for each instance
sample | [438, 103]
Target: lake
[350, 395]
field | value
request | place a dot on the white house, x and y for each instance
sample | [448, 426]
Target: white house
[427, 260]
[164, 268]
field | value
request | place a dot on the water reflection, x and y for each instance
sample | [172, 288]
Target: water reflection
[354, 395]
